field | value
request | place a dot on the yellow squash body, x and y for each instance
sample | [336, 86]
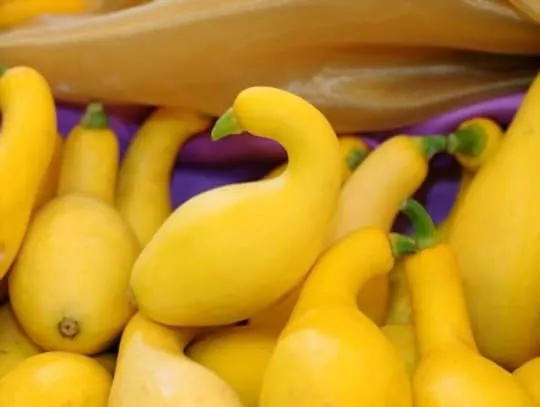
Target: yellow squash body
[69, 287]
[471, 164]
[330, 354]
[495, 239]
[451, 372]
[142, 195]
[528, 377]
[15, 345]
[49, 184]
[371, 197]
[90, 163]
[399, 328]
[28, 137]
[152, 370]
[239, 356]
[235, 250]
[56, 379]
[353, 151]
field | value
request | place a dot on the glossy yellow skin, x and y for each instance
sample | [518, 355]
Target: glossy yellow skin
[25, 154]
[74, 268]
[142, 195]
[528, 377]
[239, 356]
[49, 184]
[213, 261]
[330, 354]
[372, 196]
[471, 164]
[55, 379]
[451, 372]
[399, 328]
[90, 163]
[107, 360]
[353, 151]
[16, 346]
[494, 236]
[18, 12]
[152, 370]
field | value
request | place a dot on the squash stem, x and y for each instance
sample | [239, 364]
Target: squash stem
[95, 117]
[402, 244]
[431, 145]
[355, 158]
[424, 229]
[226, 125]
[3, 70]
[469, 141]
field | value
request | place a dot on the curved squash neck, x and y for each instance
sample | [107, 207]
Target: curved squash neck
[344, 270]
[307, 136]
[440, 312]
[156, 336]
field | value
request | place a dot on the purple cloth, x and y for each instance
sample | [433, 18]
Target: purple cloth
[204, 165]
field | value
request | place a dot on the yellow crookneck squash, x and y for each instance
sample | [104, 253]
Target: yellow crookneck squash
[142, 195]
[90, 157]
[451, 372]
[371, 197]
[239, 354]
[495, 238]
[473, 144]
[472, 149]
[330, 353]
[28, 138]
[152, 370]
[230, 252]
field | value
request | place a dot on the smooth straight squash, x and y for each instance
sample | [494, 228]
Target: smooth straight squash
[451, 371]
[233, 251]
[495, 239]
[28, 138]
[142, 194]
[330, 353]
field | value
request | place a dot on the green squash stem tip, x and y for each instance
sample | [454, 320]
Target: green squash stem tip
[226, 125]
[470, 141]
[431, 145]
[3, 70]
[424, 229]
[95, 117]
[355, 158]
[402, 244]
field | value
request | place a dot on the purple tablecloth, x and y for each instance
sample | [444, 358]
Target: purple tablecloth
[203, 165]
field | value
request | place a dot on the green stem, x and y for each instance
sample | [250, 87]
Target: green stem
[402, 244]
[468, 141]
[431, 145]
[424, 228]
[226, 125]
[3, 70]
[355, 158]
[95, 117]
